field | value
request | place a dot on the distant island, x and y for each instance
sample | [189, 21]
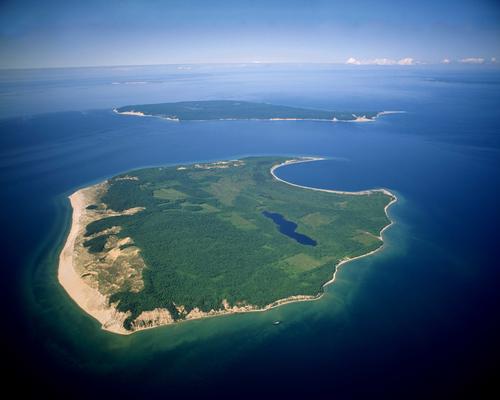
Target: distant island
[161, 245]
[241, 110]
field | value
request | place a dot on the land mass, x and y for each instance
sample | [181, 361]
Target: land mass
[162, 245]
[241, 110]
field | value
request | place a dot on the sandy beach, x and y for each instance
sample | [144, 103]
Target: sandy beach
[310, 159]
[134, 113]
[357, 118]
[141, 114]
[87, 297]
[97, 305]
[359, 193]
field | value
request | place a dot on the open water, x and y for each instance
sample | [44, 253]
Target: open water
[418, 318]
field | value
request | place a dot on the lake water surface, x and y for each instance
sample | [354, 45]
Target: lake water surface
[419, 318]
[288, 228]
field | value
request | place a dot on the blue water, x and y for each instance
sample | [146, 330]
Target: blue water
[288, 228]
[419, 318]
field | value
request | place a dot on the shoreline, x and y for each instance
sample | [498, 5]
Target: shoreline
[86, 297]
[357, 118]
[97, 305]
[358, 193]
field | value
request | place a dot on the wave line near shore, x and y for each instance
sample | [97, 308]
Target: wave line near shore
[97, 305]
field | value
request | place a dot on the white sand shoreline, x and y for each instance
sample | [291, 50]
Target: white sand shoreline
[89, 299]
[360, 118]
[97, 305]
[359, 193]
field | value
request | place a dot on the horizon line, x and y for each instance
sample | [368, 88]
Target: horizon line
[255, 63]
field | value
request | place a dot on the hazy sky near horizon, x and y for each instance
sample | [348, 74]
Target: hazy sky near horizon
[56, 33]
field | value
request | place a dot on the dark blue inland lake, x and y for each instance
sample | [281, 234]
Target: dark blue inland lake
[288, 228]
[418, 319]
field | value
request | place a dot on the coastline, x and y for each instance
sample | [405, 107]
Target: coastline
[141, 114]
[358, 193]
[88, 298]
[356, 117]
[97, 305]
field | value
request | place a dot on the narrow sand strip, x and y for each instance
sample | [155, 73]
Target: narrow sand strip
[88, 298]
[96, 304]
[360, 193]
[334, 119]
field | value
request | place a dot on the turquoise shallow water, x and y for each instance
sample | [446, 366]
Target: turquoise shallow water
[410, 320]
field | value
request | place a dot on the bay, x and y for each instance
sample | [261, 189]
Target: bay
[429, 298]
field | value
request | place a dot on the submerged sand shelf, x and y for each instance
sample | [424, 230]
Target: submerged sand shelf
[92, 278]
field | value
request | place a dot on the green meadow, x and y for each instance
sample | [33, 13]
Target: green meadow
[204, 239]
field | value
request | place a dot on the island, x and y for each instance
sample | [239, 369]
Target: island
[241, 110]
[162, 245]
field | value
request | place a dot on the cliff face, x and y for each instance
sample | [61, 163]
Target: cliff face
[209, 248]
[89, 274]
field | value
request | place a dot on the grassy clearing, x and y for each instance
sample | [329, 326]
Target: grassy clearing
[169, 194]
[204, 239]
[300, 262]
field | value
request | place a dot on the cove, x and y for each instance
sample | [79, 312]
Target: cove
[288, 228]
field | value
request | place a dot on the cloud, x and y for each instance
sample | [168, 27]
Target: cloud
[472, 60]
[406, 61]
[353, 61]
[446, 61]
[381, 61]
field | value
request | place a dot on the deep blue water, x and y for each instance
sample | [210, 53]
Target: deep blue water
[288, 228]
[419, 318]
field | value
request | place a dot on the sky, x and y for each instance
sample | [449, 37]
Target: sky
[52, 33]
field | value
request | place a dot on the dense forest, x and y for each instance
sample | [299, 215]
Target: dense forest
[204, 238]
[227, 109]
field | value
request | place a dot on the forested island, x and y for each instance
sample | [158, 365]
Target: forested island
[160, 245]
[240, 110]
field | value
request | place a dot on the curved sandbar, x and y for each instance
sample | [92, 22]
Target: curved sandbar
[358, 193]
[93, 295]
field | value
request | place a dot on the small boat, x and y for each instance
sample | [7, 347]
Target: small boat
[276, 322]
